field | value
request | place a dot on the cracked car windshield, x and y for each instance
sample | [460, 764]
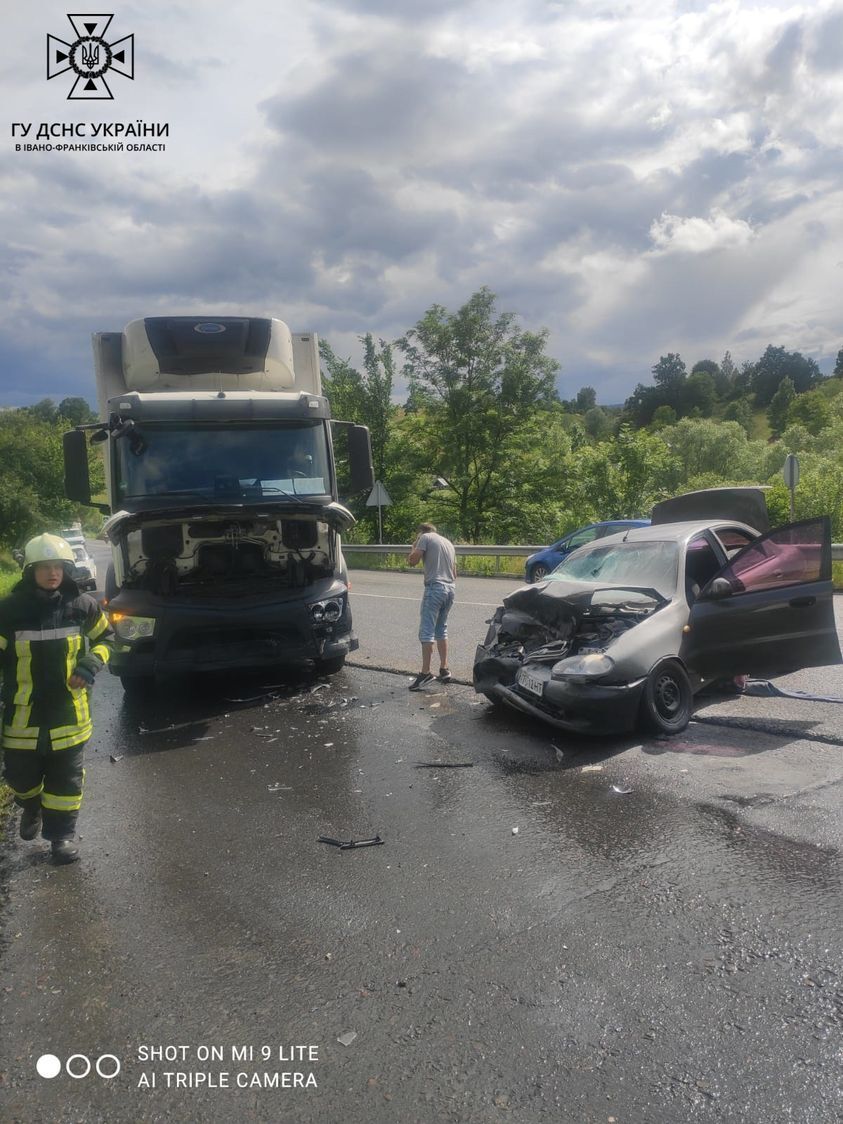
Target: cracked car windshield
[636, 565]
[255, 462]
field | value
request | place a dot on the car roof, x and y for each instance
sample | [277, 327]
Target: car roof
[674, 532]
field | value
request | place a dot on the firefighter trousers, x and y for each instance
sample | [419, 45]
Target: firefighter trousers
[53, 778]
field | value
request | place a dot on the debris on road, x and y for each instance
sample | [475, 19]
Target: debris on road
[515, 831]
[349, 844]
[347, 1038]
[444, 765]
[591, 769]
[115, 757]
[621, 791]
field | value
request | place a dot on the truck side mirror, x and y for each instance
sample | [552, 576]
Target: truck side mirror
[77, 479]
[360, 458]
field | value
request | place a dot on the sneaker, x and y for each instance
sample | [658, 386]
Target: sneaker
[421, 680]
[30, 822]
[444, 675]
[64, 851]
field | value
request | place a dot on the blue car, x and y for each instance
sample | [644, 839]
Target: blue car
[540, 564]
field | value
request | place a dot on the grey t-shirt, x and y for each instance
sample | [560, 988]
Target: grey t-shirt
[440, 559]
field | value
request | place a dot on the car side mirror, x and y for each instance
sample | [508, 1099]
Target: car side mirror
[719, 588]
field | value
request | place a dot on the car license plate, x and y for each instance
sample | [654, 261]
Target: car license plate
[530, 682]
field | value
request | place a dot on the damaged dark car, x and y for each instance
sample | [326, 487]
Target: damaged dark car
[629, 628]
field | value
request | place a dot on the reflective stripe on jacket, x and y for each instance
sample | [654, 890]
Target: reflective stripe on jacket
[42, 637]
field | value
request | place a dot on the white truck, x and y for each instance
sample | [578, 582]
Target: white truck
[224, 524]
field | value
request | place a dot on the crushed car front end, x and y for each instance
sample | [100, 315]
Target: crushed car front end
[566, 653]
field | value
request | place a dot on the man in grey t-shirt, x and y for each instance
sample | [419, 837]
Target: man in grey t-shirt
[440, 575]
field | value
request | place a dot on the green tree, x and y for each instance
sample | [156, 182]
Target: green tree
[482, 380]
[76, 411]
[812, 410]
[45, 410]
[702, 447]
[699, 394]
[597, 424]
[740, 411]
[365, 399]
[776, 364]
[669, 372]
[722, 383]
[728, 370]
[779, 408]
[663, 417]
[32, 472]
[617, 479]
[586, 399]
[838, 366]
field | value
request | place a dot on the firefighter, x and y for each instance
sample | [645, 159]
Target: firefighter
[46, 624]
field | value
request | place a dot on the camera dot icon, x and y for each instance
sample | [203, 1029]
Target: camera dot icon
[48, 1066]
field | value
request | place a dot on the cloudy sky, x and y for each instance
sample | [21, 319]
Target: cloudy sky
[636, 178]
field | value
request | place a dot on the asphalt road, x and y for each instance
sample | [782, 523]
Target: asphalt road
[617, 930]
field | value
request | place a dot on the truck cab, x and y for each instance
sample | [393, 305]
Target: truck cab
[223, 514]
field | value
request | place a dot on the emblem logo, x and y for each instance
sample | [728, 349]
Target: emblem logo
[89, 56]
[208, 329]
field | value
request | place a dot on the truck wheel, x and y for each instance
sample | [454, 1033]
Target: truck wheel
[110, 589]
[137, 686]
[667, 699]
[330, 667]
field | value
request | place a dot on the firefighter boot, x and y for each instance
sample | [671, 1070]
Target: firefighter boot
[64, 851]
[30, 821]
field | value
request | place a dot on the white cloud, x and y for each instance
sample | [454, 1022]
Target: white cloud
[674, 234]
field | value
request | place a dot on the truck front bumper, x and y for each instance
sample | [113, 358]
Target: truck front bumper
[202, 637]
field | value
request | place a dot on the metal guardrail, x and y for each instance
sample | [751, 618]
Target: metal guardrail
[491, 551]
[477, 551]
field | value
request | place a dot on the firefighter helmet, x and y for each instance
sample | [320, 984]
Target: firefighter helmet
[47, 548]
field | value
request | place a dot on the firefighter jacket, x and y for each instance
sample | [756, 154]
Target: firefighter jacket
[43, 635]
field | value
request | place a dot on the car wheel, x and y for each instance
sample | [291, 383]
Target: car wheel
[666, 702]
[539, 573]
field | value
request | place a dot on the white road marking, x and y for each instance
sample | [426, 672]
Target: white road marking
[396, 597]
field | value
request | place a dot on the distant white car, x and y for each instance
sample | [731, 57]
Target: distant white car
[85, 568]
[73, 535]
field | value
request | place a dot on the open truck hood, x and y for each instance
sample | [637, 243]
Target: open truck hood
[122, 522]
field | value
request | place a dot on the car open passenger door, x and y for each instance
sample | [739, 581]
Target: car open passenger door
[769, 610]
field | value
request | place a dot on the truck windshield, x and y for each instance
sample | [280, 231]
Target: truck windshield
[226, 465]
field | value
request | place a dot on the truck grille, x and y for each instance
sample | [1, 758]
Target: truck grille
[212, 644]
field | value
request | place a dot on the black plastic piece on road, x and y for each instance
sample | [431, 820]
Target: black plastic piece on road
[444, 765]
[351, 844]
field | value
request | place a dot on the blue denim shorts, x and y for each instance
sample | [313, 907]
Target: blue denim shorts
[436, 604]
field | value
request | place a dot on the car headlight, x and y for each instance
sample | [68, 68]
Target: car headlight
[589, 666]
[328, 611]
[132, 628]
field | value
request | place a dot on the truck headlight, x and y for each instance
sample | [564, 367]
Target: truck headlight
[328, 611]
[132, 628]
[589, 666]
